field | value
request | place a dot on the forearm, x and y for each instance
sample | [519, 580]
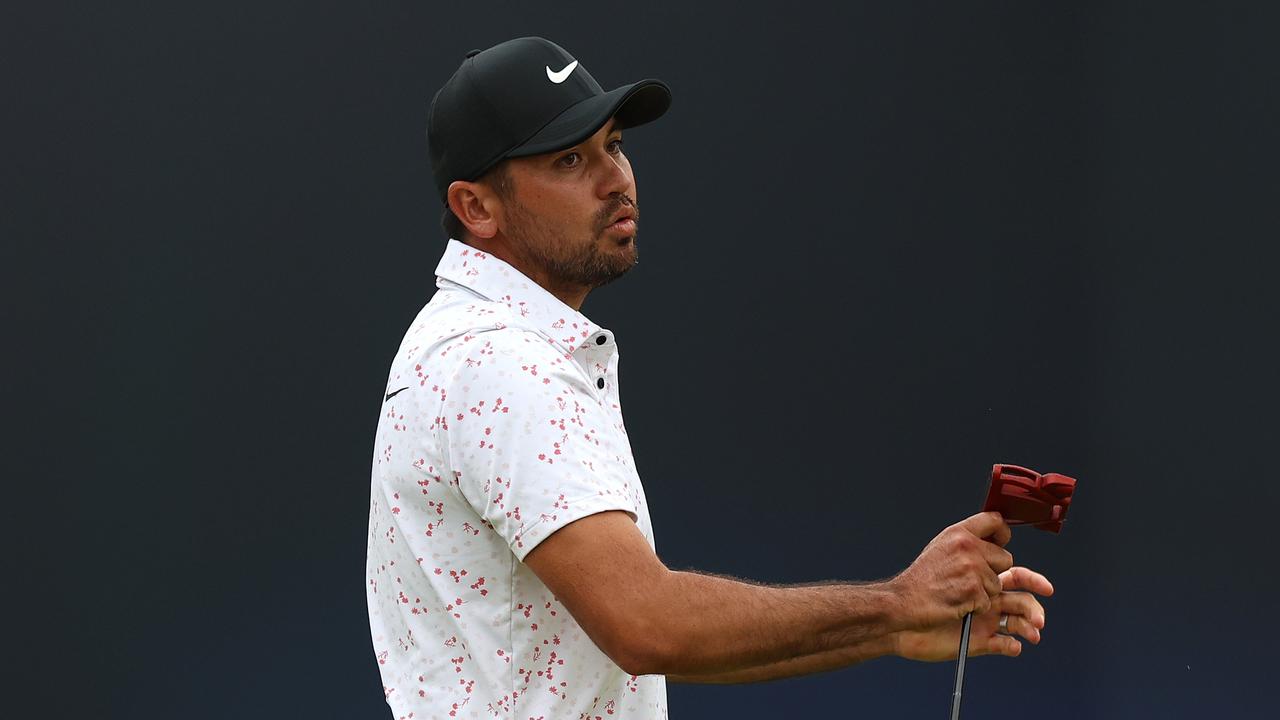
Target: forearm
[806, 665]
[712, 625]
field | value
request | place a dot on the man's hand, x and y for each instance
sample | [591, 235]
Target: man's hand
[1026, 618]
[955, 574]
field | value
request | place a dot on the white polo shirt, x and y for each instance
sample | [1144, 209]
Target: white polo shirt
[501, 425]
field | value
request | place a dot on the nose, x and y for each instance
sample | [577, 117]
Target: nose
[616, 179]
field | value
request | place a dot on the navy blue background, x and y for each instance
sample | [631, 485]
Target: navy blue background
[884, 246]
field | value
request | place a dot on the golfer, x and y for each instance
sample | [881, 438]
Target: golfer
[512, 570]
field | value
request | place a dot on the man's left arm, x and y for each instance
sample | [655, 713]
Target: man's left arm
[808, 664]
[1026, 618]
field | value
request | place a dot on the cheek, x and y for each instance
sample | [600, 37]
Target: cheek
[543, 208]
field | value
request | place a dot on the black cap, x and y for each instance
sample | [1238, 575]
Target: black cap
[525, 97]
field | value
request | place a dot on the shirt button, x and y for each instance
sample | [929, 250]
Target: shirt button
[600, 383]
[602, 339]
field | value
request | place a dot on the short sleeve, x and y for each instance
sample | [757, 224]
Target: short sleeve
[529, 443]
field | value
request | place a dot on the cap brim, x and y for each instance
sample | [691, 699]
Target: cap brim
[634, 104]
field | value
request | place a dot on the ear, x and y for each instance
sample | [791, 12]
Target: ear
[476, 206]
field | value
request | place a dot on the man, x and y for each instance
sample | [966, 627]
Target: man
[512, 569]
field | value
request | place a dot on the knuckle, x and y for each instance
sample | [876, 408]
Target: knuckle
[982, 589]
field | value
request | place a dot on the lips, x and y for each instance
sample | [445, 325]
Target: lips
[625, 226]
[625, 214]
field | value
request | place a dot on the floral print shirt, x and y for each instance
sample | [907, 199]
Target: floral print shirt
[501, 424]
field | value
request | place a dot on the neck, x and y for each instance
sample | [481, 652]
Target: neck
[572, 295]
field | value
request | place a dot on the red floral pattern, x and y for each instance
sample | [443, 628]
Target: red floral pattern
[501, 435]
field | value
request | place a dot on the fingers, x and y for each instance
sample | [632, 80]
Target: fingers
[1020, 578]
[1026, 619]
[993, 643]
[998, 559]
[1024, 605]
[991, 584]
[988, 526]
[1019, 625]
[1002, 645]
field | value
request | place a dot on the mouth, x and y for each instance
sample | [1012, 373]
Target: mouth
[625, 226]
[623, 214]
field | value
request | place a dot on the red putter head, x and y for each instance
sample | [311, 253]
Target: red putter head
[1025, 497]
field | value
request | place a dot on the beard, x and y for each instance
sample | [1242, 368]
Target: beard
[575, 260]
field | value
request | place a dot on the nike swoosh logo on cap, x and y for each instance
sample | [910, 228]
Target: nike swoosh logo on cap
[559, 77]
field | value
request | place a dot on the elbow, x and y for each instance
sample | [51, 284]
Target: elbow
[643, 642]
[643, 653]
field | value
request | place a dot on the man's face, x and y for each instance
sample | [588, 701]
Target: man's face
[558, 218]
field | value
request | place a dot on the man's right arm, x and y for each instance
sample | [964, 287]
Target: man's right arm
[651, 620]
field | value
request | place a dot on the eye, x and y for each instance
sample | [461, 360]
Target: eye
[563, 161]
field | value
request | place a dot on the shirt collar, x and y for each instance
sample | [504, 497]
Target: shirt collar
[499, 281]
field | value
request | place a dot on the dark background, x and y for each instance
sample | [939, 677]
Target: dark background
[885, 246]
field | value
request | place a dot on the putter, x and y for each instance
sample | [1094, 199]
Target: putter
[1023, 497]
